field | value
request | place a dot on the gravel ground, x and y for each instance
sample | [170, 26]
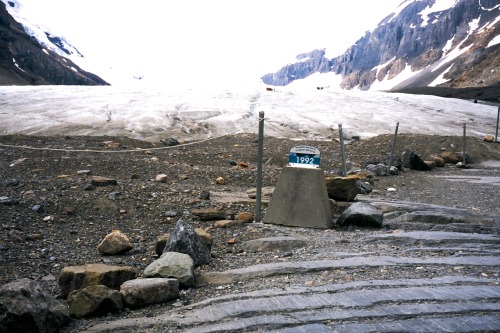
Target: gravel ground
[72, 219]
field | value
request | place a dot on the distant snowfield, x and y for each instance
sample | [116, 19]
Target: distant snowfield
[192, 115]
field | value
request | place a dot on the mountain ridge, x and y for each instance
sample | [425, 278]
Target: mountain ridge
[457, 47]
[25, 60]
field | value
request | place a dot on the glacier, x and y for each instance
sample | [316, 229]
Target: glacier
[198, 114]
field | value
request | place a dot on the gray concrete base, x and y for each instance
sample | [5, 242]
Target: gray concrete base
[300, 199]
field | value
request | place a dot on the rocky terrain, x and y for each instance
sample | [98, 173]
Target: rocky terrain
[51, 218]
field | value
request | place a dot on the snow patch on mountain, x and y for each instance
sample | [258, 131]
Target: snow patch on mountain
[47, 38]
[438, 6]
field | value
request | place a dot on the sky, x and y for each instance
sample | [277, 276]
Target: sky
[211, 42]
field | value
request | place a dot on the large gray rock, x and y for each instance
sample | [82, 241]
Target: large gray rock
[361, 214]
[94, 300]
[77, 277]
[26, 307]
[184, 239]
[141, 292]
[172, 265]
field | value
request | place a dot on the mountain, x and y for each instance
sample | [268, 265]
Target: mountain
[424, 43]
[30, 55]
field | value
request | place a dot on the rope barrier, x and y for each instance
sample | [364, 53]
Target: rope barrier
[129, 150]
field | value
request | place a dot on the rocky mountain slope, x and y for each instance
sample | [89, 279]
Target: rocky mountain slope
[25, 60]
[422, 45]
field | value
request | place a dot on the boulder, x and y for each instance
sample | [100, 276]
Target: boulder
[361, 214]
[377, 169]
[184, 239]
[161, 241]
[25, 306]
[114, 243]
[141, 292]
[342, 188]
[413, 161]
[94, 301]
[172, 265]
[78, 277]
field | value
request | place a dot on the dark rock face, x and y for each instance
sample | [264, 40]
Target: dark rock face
[413, 161]
[405, 40]
[184, 239]
[26, 307]
[23, 61]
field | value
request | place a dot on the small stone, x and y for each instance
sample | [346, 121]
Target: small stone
[170, 213]
[204, 195]
[242, 164]
[232, 241]
[391, 189]
[114, 243]
[489, 138]
[220, 181]
[69, 210]
[162, 178]
[170, 142]
[102, 181]
[89, 187]
[48, 218]
[37, 208]
[84, 172]
[113, 145]
[245, 217]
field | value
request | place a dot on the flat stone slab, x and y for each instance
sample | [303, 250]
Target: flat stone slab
[430, 305]
[302, 267]
[434, 237]
[484, 180]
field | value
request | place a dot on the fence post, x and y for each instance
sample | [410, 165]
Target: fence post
[464, 144]
[258, 196]
[498, 119]
[392, 148]
[342, 149]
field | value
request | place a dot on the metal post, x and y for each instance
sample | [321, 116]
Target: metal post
[498, 119]
[393, 146]
[342, 148]
[463, 159]
[259, 167]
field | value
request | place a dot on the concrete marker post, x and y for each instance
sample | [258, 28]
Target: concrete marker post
[464, 144]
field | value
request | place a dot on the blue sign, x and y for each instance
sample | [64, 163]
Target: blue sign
[304, 157]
